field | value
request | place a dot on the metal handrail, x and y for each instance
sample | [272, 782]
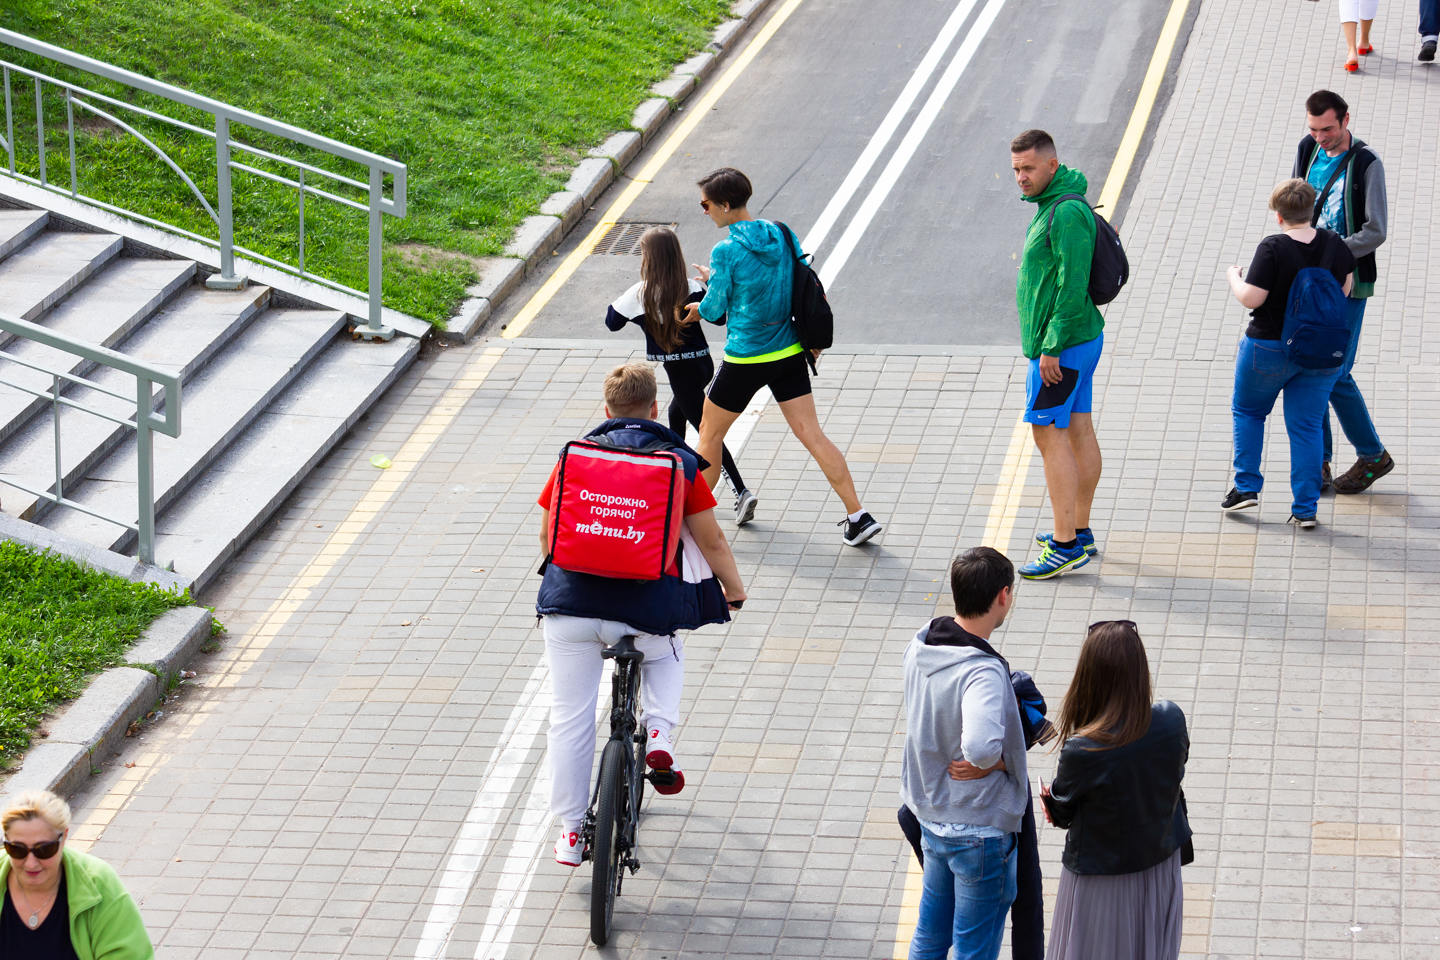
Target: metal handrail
[378, 169]
[145, 421]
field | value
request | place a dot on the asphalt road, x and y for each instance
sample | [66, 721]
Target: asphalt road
[935, 264]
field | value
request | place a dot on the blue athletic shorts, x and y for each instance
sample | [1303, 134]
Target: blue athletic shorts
[1054, 404]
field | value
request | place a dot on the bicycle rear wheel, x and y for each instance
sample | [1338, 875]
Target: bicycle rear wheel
[610, 813]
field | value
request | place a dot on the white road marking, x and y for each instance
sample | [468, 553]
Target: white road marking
[835, 262]
[881, 138]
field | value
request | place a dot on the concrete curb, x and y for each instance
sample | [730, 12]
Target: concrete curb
[92, 727]
[538, 236]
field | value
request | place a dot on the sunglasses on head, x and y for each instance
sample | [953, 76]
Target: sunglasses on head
[1123, 623]
[42, 851]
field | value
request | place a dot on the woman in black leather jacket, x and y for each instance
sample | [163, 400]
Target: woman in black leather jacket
[1117, 791]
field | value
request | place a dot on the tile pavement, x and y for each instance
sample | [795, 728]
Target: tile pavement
[304, 799]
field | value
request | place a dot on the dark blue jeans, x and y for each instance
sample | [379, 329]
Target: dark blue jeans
[1429, 18]
[1345, 397]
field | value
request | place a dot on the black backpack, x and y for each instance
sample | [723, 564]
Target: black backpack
[809, 310]
[1109, 267]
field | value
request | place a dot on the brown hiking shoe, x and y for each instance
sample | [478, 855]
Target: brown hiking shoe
[1364, 473]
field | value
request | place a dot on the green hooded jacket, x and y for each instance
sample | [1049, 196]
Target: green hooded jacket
[1052, 292]
[104, 922]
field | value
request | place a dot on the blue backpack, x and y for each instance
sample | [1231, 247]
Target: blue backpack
[1317, 322]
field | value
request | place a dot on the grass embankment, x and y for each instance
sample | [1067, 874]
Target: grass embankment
[489, 104]
[60, 623]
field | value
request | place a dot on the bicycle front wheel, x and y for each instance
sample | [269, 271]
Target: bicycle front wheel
[610, 813]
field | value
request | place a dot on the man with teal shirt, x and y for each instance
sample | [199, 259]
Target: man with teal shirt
[1349, 183]
[1061, 334]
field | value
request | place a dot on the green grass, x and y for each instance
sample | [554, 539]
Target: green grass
[59, 624]
[489, 104]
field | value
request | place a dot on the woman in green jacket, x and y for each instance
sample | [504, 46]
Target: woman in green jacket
[59, 902]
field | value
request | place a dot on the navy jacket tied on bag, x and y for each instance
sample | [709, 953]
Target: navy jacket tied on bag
[650, 606]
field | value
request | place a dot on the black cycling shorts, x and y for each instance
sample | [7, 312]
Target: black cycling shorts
[737, 383]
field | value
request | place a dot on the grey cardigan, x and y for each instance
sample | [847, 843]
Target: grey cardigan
[959, 704]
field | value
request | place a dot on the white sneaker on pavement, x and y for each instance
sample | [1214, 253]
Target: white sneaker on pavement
[568, 849]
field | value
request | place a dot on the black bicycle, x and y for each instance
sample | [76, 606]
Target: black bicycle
[612, 823]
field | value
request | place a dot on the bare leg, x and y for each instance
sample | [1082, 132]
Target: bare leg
[1353, 53]
[805, 424]
[1062, 476]
[715, 422]
[1365, 33]
[1086, 450]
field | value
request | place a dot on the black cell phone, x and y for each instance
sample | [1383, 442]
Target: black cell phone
[736, 604]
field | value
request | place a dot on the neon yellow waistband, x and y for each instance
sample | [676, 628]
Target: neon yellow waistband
[770, 357]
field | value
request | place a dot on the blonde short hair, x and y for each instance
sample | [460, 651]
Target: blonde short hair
[1294, 200]
[630, 390]
[37, 803]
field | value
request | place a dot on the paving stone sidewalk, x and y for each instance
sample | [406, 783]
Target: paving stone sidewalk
[305, 799]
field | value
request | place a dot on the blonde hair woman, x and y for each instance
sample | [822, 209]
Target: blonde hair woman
[59, 902]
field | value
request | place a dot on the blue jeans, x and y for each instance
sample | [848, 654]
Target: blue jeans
[1262, 372]
[968, 888]
[1429, 18]
[1349, 405]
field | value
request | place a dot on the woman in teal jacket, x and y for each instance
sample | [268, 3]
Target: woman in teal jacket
[59, 902]
[748, 289]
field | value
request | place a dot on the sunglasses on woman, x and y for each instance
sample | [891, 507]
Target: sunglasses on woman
[705, 205]
[1123, 623]
[42, 851]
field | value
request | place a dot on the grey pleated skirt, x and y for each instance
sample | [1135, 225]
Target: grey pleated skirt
[1128, 916]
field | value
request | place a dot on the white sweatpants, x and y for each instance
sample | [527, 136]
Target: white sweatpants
[1353, 11]
[573, 645]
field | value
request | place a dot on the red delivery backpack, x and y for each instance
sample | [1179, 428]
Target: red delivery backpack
[616, 511]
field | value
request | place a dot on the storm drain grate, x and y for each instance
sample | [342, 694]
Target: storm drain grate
[623, 239]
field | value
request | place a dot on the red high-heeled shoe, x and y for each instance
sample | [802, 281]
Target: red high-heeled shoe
[1352, 66]
[1366, 51]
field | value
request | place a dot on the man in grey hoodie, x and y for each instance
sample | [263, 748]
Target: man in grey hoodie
[959, 704]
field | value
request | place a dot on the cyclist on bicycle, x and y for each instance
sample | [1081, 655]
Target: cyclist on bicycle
[582, 613]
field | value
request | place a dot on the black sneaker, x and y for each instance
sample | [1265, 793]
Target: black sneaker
[858, 531]
[1238, 500]
[1304, 523]
[1427, 51]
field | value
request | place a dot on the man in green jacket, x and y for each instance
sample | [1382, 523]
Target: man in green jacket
[1060, 331]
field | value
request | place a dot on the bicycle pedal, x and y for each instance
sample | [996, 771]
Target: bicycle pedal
[666, 782]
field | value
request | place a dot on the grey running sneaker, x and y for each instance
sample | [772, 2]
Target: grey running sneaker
[858, 531]
[1238, 500]
[745, 507]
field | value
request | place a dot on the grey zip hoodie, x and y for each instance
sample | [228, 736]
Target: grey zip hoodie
[959, 704]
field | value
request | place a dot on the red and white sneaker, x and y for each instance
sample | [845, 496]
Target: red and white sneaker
[665, 777]
[569, 849]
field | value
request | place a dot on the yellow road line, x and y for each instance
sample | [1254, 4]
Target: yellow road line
[1005, 504]
[370, 505]
[695, 113]
[1144, 106]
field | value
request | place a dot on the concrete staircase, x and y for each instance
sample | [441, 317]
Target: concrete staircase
[270, 384]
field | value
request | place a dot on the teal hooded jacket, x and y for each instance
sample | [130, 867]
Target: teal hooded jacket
[1052, 293]
[750, 278]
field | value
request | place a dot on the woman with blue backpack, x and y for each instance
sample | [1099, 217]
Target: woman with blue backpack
[1295, 289]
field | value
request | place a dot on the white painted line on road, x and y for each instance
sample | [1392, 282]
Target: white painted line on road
[835, 262]
[506, 766]
[881, 138]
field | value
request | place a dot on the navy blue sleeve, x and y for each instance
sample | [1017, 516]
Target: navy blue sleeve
[614, 320]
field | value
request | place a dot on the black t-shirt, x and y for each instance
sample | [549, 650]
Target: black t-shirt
[629, 308]
[1276, 262]
[49, 941]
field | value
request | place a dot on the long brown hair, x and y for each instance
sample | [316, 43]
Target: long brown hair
[664, 286]
[1109, 696]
